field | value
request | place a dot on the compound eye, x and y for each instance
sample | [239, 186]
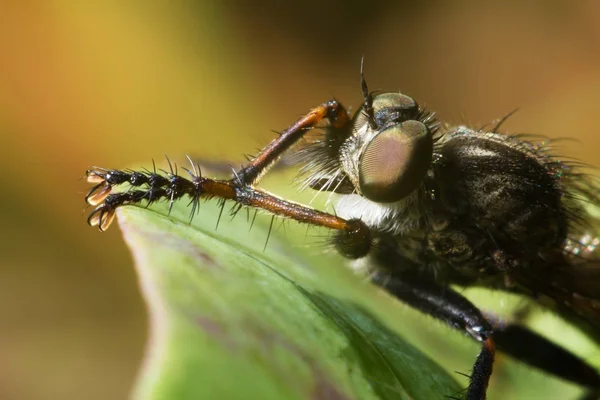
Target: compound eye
[394, 163]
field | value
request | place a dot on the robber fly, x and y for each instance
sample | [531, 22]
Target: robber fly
[423, 206]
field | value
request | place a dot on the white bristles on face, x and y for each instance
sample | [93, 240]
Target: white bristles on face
[390, 217]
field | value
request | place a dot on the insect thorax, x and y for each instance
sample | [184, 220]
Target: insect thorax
[487, 205]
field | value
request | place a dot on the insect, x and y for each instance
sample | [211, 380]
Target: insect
[422, 206]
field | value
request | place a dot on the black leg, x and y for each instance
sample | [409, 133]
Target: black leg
[591, 395]
[455, 310]
[458, 312]
[539, 352]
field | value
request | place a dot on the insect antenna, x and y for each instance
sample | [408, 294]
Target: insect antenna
[368, 97]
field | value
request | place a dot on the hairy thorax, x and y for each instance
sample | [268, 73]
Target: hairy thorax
[472, 221]
[410, 238]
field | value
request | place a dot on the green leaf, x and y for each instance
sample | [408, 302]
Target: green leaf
[231, 321]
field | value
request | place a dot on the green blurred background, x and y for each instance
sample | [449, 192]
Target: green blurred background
[115, 84]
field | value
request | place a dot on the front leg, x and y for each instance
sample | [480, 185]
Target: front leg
[240, 188]
[331, 110]
[351, 235]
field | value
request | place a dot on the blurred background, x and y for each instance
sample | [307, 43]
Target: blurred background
[115, 84]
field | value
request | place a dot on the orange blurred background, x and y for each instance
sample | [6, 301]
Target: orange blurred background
[115, 84]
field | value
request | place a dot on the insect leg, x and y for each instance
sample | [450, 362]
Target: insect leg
[537, 351]
[591, 395]
[515, 340]
[238, 189]
[352, 234]
[449, 306]
[331, 110]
